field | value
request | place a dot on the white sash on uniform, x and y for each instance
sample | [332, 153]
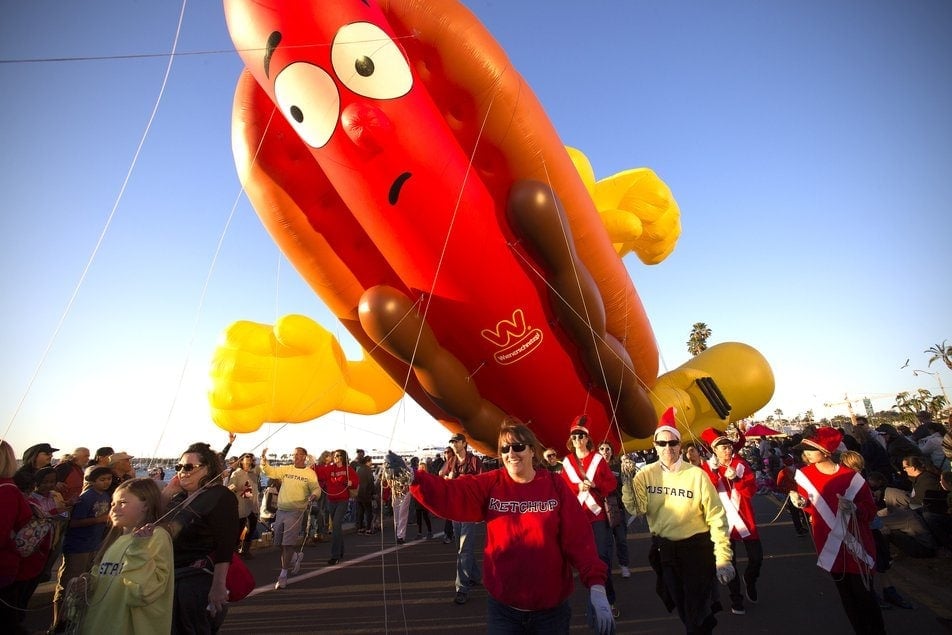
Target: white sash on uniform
[730, 501]
[584, 498]
[838, 534]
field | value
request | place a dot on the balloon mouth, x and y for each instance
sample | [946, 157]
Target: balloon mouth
[396, 186]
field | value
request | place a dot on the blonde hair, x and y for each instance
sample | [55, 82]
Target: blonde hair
[853, 460]
[8, 460]
[146, 490]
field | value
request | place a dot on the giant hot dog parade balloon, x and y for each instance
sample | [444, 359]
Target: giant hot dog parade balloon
[410, 175]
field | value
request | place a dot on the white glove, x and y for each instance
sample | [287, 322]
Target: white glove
[730, 473]
[725, 572]
[713, 462]
[797, 501]
[846, 505]
[604, 623]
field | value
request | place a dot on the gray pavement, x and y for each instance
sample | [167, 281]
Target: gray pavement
[380, 587]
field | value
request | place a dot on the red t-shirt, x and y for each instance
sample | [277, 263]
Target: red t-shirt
[336, 480]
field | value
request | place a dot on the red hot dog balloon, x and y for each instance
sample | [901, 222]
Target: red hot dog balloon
[412, 178]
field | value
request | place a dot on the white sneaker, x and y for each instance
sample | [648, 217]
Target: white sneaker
[625, 572]
[296, 561]
[282, 581]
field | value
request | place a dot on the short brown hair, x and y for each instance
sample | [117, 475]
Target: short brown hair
[514, 431]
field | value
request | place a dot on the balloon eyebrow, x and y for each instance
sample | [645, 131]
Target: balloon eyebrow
[273, 40]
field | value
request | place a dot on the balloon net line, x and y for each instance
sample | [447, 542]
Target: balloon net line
[170, 55]
[199, 310]
[106, 226]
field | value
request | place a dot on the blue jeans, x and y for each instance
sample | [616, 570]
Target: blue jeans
[620, 538]
[337, 510]
[505, 619]
[467, 569]
[603, 545]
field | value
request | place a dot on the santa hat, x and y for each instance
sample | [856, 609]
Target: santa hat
[713, 437]
[826, 440]
[578, 424]
[667, 423]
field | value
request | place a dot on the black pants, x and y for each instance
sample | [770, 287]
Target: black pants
[686, 570]
[423, 516]
[247, 525]
[189, 616]
[755, 559]
[860, 604]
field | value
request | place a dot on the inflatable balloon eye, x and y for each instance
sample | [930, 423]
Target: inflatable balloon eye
[369, 63]
[308, 98]
[422, 192]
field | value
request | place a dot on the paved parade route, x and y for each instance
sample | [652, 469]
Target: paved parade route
[381, 587]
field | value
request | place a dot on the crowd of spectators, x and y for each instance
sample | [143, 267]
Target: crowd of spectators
[219, 506]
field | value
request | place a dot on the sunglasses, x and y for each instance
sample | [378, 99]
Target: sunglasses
[673, 443]
[549, 457]
[515, 447]
[188, 467]
[579, 435]
[605, 449]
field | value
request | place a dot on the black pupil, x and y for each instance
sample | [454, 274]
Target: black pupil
[297, 114]
[364, 66]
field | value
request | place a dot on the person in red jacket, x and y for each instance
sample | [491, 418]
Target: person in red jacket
[841, 506]
[787, 484]
[736, 485]
[532, 522]
[341, 480]
[590, 478]
[14, 513]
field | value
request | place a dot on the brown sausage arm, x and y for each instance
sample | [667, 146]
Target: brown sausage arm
[536, 215]
[393, 322]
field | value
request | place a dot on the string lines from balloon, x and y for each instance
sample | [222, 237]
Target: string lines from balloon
[106, 226]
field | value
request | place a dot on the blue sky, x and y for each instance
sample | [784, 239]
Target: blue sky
[808, 144]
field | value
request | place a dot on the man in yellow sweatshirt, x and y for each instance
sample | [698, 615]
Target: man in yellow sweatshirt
[690, 540]
[299, 487]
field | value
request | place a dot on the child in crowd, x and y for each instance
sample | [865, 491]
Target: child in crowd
[787, 484]
[855, 461]
[87, 526]
[130, 587]
[45, 497]
[269, 503]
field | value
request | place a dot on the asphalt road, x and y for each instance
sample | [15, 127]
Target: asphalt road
[380, 587]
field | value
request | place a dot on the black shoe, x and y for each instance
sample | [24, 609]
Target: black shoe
[892, 596]
[750, 590]
[738, 609]
[333, 561]
[400, 541]
[460, 598]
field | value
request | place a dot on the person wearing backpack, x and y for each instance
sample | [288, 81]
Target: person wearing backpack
[14, 514]
[87, 527]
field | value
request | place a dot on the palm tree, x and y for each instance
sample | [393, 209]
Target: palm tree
[909, 404]
[779, 414]
[698, 340]
[939, 351]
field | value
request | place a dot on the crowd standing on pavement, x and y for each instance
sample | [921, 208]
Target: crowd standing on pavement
[862, 496]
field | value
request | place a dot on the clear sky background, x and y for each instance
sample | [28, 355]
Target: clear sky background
[809, 145]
